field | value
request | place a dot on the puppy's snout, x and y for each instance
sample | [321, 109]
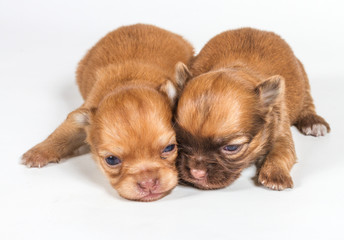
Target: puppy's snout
[198, 173]
[148, 184]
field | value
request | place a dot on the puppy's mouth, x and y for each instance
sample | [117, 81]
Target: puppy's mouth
[205, 184]
[152, 196]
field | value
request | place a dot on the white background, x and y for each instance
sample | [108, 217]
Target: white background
[41, 42]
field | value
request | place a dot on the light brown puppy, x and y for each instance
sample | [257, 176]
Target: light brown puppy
[129, 86]
[248, 89]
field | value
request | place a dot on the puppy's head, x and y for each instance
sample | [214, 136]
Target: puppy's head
[224, 123]
[133, 141]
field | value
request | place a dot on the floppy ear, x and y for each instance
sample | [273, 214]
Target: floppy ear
[182, 74]
[82, 116]
[270, 90]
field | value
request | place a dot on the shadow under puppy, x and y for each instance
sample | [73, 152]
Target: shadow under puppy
[248, 89]
[129, 86]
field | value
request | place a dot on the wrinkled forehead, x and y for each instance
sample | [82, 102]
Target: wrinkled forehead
[134, 117]
[216, 105]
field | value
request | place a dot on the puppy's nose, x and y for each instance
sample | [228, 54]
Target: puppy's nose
[148, 184]
[198, 173]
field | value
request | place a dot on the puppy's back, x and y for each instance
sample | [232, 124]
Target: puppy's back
[140, 43]
[262, 53]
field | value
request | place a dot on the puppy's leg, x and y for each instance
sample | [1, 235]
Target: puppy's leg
[308, 122]
[63, 142]
[274, 173]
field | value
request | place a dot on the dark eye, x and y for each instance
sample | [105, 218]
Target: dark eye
[232, 148]
[112, 160]
[169, 148]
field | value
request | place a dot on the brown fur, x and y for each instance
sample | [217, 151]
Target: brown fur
[129, 86]
[248, 89]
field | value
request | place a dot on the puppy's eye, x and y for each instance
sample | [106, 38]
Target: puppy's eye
[112, 160]
[231, 149]
[169, 148]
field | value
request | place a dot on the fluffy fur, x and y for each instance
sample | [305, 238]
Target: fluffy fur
[248, 89]
[129, 85]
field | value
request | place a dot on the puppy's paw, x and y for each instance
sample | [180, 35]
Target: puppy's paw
[39, 157]
[313, 125]
[275, 179]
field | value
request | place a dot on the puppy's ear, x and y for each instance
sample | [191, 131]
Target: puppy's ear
[270, 91]
[182, 74]
[82, 116]
[170, 90]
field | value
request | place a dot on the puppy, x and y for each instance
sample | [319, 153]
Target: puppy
[248, 89]
[129, 86]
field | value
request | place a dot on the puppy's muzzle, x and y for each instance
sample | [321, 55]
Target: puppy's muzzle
[198, 174]
[148, 185]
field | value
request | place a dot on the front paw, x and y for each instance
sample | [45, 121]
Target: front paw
[39, 157]
[275, 178]
[313, 125]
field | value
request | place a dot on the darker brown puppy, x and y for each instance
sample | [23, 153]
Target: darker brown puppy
[248, 89]
[129, 86]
